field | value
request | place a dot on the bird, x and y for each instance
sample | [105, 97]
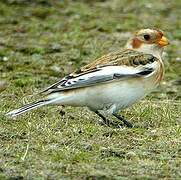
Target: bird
[112, 82]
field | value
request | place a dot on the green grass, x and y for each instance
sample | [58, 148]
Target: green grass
[45, 40]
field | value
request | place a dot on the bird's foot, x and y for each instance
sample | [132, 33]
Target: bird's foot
[110, 123]
[127, 123]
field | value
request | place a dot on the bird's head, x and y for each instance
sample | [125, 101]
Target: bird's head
[149, 41]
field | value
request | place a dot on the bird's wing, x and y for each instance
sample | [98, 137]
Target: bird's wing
[114, 66]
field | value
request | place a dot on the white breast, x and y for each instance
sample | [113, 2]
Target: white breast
[120, 94]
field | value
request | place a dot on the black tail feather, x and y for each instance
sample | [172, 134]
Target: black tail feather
[28, 107]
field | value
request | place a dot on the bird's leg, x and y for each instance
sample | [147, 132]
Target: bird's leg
[106, 121]
[127, 123]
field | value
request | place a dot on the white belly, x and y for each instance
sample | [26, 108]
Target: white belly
[110, 97]
[115, 96]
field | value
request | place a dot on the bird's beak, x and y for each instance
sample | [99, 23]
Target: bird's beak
[163, 41]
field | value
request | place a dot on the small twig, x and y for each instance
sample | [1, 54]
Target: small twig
[26, 152]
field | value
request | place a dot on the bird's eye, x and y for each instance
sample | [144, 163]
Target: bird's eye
[146, 37]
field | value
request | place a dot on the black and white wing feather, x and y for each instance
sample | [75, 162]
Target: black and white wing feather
[103, 73]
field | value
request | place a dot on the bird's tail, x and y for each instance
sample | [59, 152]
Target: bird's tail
[30, 106]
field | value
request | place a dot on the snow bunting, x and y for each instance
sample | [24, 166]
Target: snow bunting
[113, 82]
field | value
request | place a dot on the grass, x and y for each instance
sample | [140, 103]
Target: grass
[41, 41]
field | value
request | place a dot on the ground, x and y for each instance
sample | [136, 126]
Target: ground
[40, 42]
